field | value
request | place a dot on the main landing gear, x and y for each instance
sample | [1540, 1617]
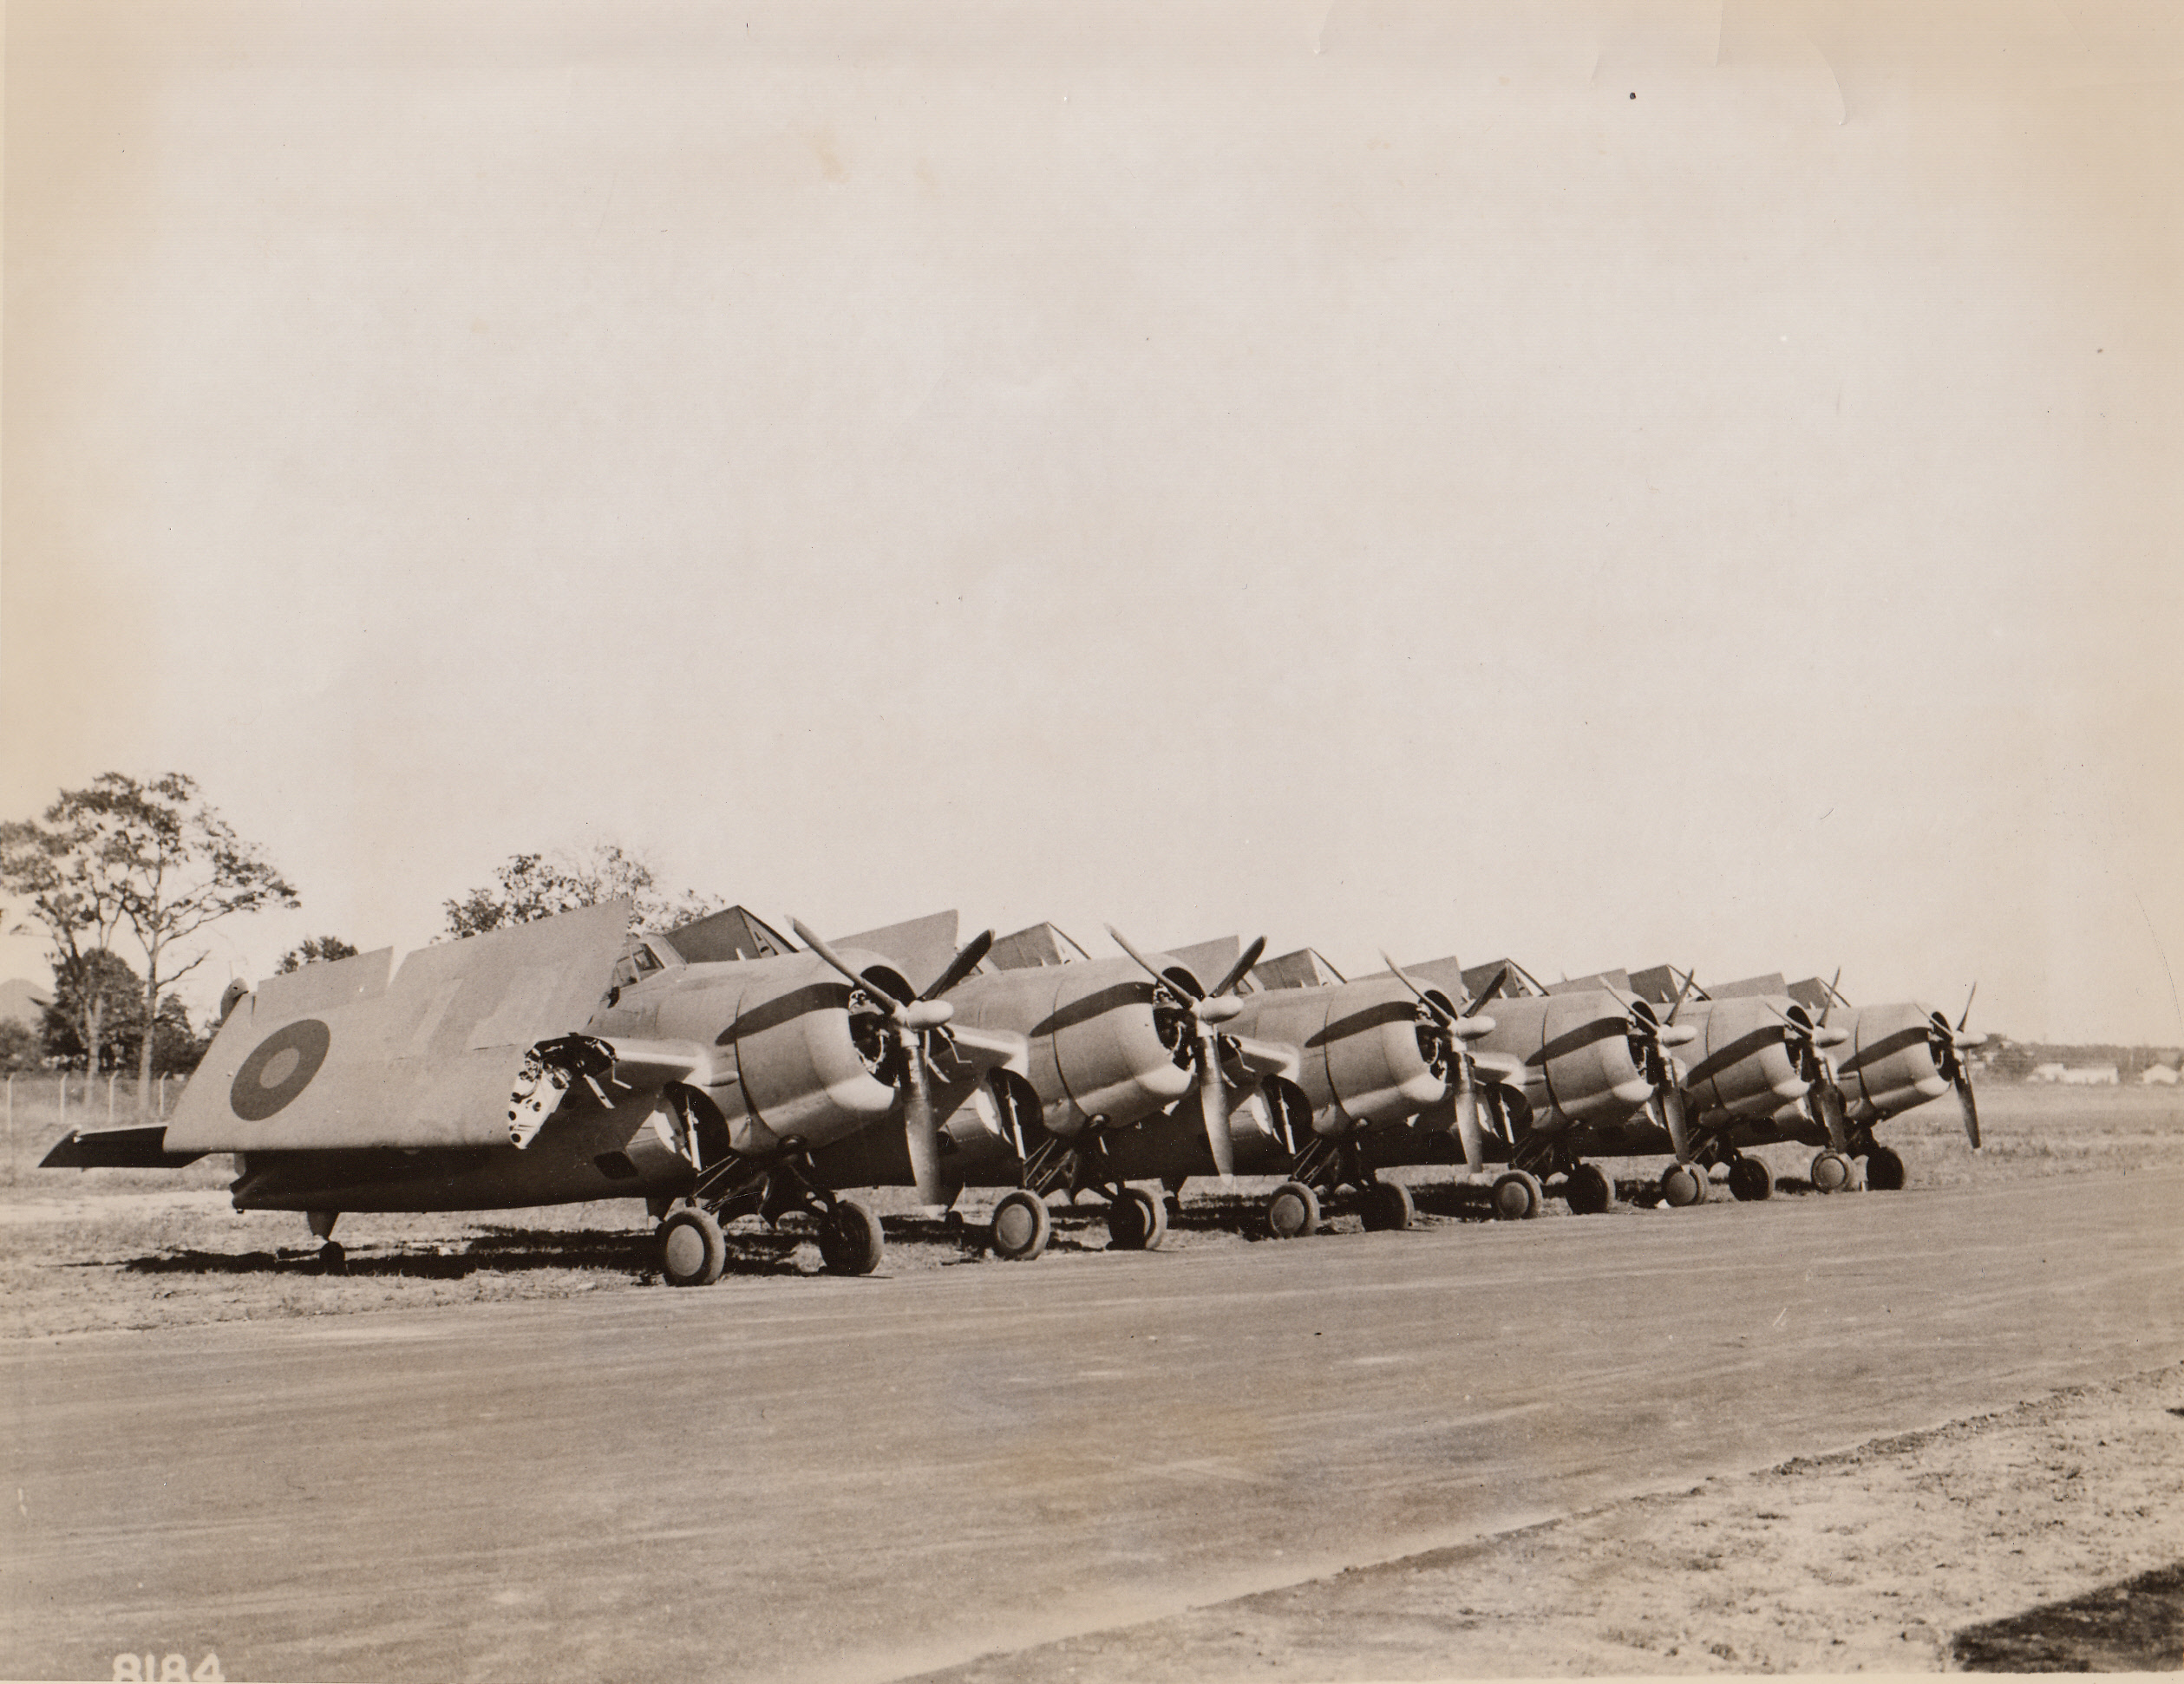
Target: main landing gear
[1749, 1179]
[1320, 1171]
[1685, 1184]
[332, 1260]
[1832, 1172]
[1884, 1170]
[694, 1251]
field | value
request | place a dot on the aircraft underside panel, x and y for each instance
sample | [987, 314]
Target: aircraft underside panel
[344, 1059]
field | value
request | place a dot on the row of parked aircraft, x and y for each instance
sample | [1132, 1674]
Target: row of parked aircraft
[718, 1070]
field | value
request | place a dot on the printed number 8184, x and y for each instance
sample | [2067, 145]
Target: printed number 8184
[173, 1669]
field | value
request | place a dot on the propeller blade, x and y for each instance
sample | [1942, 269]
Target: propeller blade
[1832, 996]
[961, 966]
[1212, 1103]
[1672, 1114]
[837, 961]
[1145, 964]
[920, 1129]
[1689, 977]
[1969, 1105]
[1467, 1104]
[1440, 1012]
[1966, 1016]
[1241, 968]
[1825, 1100]
[1487, 993]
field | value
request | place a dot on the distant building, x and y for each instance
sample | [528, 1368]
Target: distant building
[25, 1002]
[2091, 1075]
[2162, 1075]
[2044, 1073]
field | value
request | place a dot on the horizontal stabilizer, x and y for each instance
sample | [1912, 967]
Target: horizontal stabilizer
[722, 937]
[920, 949]
[142, 1147]
[1028, 950]
[1209, 961]
[1304, 969]
[1598, 979]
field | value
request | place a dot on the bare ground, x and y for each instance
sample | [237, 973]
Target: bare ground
[1874, 1559]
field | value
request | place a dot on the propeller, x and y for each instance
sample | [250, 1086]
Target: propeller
[1949, 1047]
[1458, 1029]
[1667, 1104]
[1823, 1099]
[911, 1020]
[1207, 1012]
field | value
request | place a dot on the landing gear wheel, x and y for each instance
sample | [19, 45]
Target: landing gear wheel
[1884, 1170]
[1516, 1196]
[1684, 1183]
[692, 1251]
[1136, 1221]
[1021, 1226]
[1292, 1211]
[1832, 1172]
[332, 1260]
[849, 1239]
[951, 1222]
[1389, 1207]
[1749, 1178]
[1589, 1190]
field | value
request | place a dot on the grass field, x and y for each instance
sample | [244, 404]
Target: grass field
[86, 1250]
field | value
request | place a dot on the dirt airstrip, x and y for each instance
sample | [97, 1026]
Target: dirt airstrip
[2033, 1537]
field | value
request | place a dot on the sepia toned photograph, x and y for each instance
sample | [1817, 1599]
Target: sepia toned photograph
[853, 840]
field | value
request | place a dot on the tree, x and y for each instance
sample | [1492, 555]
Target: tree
[176, 1047]
[53, 871]
[311, 950]
[152, 855]
[21, 1048]
[530, 886]
[97, 1013]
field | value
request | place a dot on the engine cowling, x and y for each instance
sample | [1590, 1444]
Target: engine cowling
[1744, 1060]
[1890, 1062]
[1593, 1057]
[1101, 1047]
[805, 1066]
[1371, 1054]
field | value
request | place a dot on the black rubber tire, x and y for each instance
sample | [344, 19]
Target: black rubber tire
[849, 1239]
[1749, 1179]
[332, 1260]
[692, 1250]
[1832, 1172]
[1021, 1226]
[1292, 1211]
[1516, 1196]
[1136, 1222]
[1588, 1191]
[1388, 1207]
[1683, 1184]
[1884, 1170]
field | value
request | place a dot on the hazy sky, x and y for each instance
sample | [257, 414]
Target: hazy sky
[1605, 483]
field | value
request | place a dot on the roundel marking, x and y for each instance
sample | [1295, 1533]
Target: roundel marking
[280, 1070]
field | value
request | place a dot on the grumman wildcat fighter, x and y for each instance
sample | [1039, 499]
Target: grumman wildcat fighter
[1109, 1048]
[563, 1060]
[1867, 1065]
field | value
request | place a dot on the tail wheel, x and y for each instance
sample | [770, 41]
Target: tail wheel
[1516, 1196]
[1388, 1206]
[1749, 1178]
[692, 1251]
[1832, 1172]
[1884, 1170]
[849, 1239]
[1589, 1191]
[1292, 1211]
[1136, 1221]
[1683, 1185]
[1021, 1226]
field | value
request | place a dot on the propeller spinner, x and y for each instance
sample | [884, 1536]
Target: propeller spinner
[911, 1021]
[1459, 1028]
[1208, 1013]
